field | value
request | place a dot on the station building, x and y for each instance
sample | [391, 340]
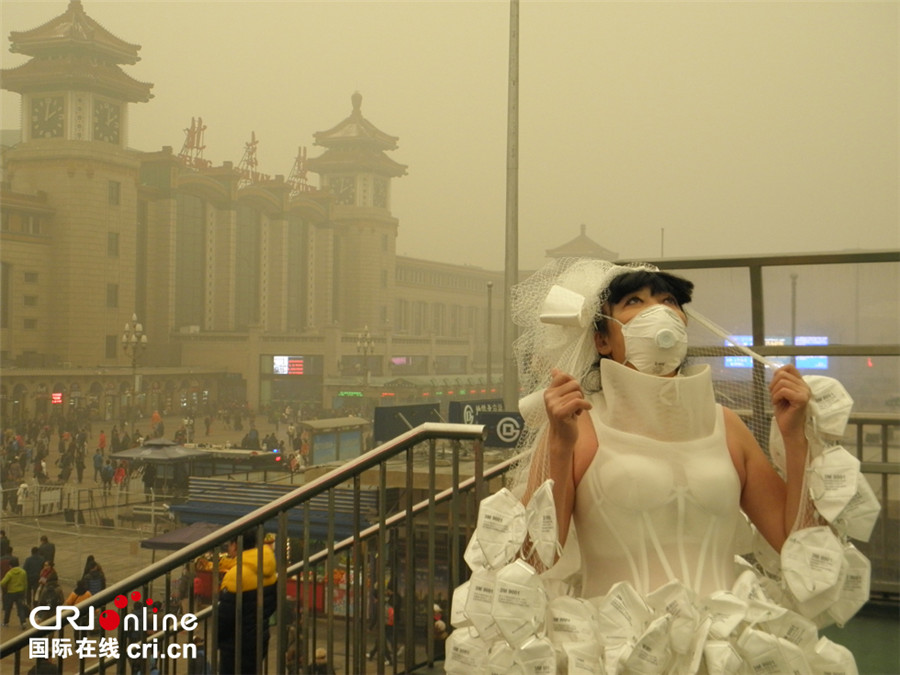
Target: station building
[248, 287]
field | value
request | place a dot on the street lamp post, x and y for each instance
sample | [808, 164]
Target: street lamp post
[365, 345]
[490, 312]
[134, 342]
[794, 315]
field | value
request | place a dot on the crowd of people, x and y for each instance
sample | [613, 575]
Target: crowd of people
[27, 457]
[34, 581]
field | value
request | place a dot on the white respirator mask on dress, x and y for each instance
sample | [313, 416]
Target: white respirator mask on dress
[655, 340]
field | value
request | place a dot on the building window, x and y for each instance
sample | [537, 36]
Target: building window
[31, 277]
[31, 224]
[115, 192]
[30, 324]
[112, 295]
[112, 244]
[30, 301]
[111, 342]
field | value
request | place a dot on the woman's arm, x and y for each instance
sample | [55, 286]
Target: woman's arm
[561, 450]
[770, 502]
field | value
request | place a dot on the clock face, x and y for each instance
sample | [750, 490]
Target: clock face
[106, 122]
[47, 117]
[344, 187]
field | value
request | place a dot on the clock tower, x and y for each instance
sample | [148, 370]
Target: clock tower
[358, 172]
[74, 119]
[73, 88]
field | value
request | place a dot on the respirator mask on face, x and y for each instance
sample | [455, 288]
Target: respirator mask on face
[655, 340]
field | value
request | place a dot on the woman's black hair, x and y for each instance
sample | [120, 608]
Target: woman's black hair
[658, 283]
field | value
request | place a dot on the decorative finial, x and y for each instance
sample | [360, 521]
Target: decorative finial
[583, 228]
[356, 99]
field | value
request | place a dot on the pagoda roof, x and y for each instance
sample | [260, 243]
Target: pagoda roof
[355, 159]
[355, 130]
[582, 246]
[71, 31]
[74, 71]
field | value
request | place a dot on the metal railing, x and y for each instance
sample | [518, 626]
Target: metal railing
[429, 482]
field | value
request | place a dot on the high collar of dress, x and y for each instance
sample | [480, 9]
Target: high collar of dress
[679, 408]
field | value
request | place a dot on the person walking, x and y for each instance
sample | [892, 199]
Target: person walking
[95, 579]
[33, 565]
[47, 549]
[79, 593]
[98, 464]
[14, 584]
[51, 595]
[106, 475]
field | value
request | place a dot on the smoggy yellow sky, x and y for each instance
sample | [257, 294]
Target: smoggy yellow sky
[735, 127]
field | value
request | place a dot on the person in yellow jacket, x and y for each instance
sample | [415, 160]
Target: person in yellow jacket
[14, 585]
[251, 574]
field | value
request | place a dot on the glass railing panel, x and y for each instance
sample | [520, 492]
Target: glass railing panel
[845, 304]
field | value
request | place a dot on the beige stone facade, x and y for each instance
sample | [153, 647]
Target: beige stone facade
[224, 269]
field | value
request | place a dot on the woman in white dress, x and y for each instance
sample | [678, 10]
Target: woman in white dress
[652, 479]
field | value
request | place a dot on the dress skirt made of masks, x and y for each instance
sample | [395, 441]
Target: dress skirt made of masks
[650, 581]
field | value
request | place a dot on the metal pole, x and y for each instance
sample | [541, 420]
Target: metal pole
[490, 345]
[134, 389]
[511, 271]
[794, 315]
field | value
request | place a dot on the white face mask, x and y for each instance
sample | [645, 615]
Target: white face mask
[541, 521]
[466, 652]
[856, 587]
[519, 603]
[652, 653]
[829, 657]
[811, 561]
[501, 527]
[858, 519]
[832, 478]
[721, 659]
[536, 657]
[655, 340]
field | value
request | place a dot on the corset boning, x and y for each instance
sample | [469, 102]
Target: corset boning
[650, 511]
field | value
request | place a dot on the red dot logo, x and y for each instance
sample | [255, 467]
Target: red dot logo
[109, 620]
[121, 601]
[136, 596]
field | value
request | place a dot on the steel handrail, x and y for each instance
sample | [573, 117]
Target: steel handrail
[332, 479]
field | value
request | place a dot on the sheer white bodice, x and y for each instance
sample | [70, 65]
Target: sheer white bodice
[649, 510]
